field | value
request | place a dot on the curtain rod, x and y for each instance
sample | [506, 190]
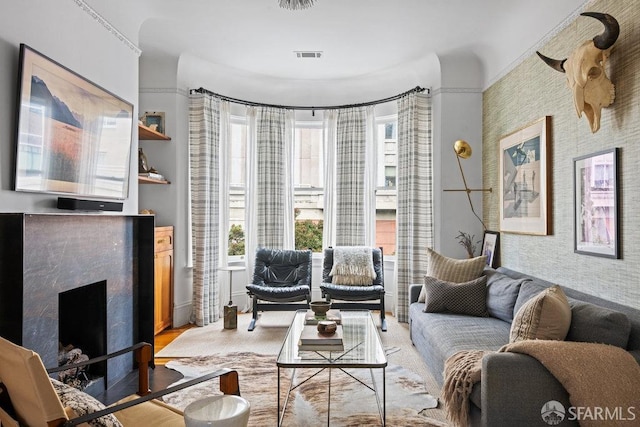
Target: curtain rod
[416, 89]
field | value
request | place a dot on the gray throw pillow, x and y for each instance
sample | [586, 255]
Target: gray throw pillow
[502, 292]
[462, 298]
[592, 323]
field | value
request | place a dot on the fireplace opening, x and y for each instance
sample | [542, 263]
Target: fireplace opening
[82, 334]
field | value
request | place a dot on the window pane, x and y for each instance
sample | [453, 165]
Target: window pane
[308, 181]
[237, 178]
[386, 192]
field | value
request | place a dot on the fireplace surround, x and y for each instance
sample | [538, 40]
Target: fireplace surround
[43, 255]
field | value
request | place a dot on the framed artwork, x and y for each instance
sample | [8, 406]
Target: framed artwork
[595, 183]
[154, 120]
[524, 191]
[490, 247]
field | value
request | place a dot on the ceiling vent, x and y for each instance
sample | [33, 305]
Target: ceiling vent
[308, 54]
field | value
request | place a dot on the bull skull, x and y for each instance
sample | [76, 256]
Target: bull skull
[586, 76]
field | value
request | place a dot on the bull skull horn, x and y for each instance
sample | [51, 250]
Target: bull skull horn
[556, 64]
[611, 30]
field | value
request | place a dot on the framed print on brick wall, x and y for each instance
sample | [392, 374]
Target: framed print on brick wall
[524, 183]
[595, 189]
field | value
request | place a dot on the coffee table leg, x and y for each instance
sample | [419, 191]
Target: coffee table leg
[278, 414]
[329, 400]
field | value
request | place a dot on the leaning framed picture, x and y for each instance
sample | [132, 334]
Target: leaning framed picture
[596, 204]
[490, 247]
[524, 183]
[154, 120]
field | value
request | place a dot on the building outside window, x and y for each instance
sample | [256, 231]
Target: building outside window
[386, 204]
[237, 182]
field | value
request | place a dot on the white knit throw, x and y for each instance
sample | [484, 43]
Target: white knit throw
[353, 265]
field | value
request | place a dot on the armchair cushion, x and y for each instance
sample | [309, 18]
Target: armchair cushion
[32, 394]
[81, 403]
[152, 413]
[282, 268]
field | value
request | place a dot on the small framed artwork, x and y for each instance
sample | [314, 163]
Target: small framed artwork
[490, 247]
[154, 120]
[524, 191]
[596, 204]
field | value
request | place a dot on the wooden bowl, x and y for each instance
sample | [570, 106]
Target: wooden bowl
[327, 327]
[320, 308]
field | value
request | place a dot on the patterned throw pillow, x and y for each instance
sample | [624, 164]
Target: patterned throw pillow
[451, 269]
[81, 403]
[547, 316]
[462, 298]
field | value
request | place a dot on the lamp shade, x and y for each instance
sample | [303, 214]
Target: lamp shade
[462, 149]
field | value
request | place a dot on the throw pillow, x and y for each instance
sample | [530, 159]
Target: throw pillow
[592, 323]
[546, 316]
[461, 298]
[81, 403]
[451, 269]
[502, 292]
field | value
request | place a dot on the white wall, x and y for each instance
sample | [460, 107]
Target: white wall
[67, 33]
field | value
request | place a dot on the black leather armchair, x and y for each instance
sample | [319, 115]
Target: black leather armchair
[357, 297]
[280, 277]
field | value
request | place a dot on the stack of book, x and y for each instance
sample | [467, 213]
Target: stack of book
[312, 340]
[152, 175]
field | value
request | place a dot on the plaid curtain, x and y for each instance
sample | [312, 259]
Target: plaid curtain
[272, 171]
[204, 144]
[415, 195]
[355, 178]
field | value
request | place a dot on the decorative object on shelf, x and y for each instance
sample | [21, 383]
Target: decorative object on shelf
[467, 241]
[147, 212]
[463, 150]
[320, 308]
[585, 69]
[596, 204]
[154, 120]
[143, 163]
[524, 191]
[491, 247]
[296, 4]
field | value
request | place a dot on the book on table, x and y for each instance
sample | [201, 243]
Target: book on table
[311, 319]
[311, 339]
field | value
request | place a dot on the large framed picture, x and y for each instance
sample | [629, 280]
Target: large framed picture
[596, 204]
[524, 190]
[490, 247]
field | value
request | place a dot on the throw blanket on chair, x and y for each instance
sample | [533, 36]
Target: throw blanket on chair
[594, 375]
[352, 265]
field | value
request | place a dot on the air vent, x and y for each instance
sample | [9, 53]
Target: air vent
[308, 54]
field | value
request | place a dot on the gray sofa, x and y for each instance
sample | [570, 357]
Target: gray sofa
[514, 387]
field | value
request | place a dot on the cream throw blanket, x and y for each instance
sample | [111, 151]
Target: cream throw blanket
[352, 265]
[594, 375]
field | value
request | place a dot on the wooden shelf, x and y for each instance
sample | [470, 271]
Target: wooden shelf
[145, 180]
[150, 134]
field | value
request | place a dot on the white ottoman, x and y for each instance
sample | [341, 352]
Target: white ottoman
[218, 411]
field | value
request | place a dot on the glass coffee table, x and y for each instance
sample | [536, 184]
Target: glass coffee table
[362, 350]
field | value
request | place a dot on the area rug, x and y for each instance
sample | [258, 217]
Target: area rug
[352, 404]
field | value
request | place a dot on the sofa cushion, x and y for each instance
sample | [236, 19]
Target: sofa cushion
[592, 323]
[451, 269]
[528, 290]
[81, 403]
[462, 298]
[502, 292]
[547, 316]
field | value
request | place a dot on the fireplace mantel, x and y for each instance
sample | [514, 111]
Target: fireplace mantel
[42, 255]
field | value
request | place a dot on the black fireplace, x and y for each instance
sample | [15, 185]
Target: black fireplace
[45, 258]
[82, 323]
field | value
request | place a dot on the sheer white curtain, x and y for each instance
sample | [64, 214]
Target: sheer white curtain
[269, 196]
[329, 153]
[355, 158]
[204, 166]
[415, 196]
